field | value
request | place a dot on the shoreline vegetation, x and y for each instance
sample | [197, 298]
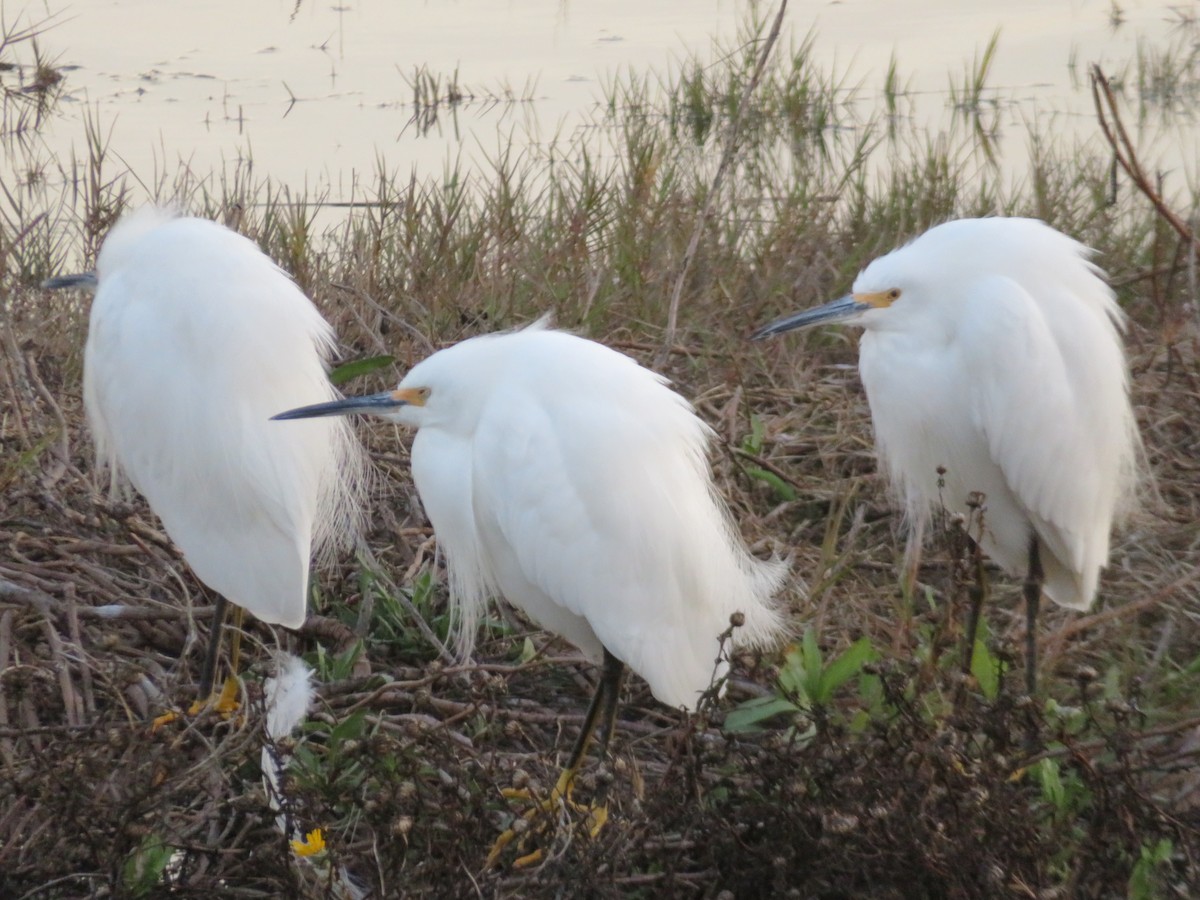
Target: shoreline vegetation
[859, 761]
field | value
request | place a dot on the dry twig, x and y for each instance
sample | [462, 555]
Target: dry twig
[731, 144]
[1126, 154]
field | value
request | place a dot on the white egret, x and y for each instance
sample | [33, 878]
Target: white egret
[195, 338]
[992, 349]
[563, 476]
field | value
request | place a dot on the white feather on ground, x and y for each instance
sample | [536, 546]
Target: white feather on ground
[288, 696]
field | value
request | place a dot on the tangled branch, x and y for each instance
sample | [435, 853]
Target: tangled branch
[1122, 145]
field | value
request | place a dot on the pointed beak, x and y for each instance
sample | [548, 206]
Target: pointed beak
[85, 281]
[371, 404]
[841, 310]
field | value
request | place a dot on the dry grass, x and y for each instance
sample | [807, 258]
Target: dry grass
[909, 782]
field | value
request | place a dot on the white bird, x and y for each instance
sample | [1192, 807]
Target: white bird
[992, 349]
[195, 339]
[565, 477]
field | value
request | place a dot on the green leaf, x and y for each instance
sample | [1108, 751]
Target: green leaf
[753, 442]
[791, 675]
[746, 717]
[986, 669]
[321, 664]
[777, 484]
[423, 591]
[143, 869]
[358, 367]
[845, 667]
[860, 721]
[304, 758]
[351, 728]
[1143, 883]
[338, 667]
[528, 651]
[870, 691]
[1051, 781]
[810, 652]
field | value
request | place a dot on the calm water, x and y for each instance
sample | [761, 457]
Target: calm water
[315, 93]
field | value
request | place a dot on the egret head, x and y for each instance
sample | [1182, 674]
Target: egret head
[444, 391]
[122, 240]
[887, 293]
[865, 306]
[406, 404]
[922, 286]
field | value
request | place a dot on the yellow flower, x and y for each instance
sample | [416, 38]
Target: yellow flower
[313, 843]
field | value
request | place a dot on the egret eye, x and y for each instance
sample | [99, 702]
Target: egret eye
[893, 295]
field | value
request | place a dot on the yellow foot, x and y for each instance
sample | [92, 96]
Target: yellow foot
[542, 817]
[224, 704]
[164, 720]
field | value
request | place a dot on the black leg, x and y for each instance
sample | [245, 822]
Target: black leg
[614, 672]
[1033, 598]
[208, 673]
[601, 715]
[602, 711]
[235, 642]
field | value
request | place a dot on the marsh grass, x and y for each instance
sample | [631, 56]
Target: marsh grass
[30, 82]
[880, 768]
[436, 96]
[1168, 77]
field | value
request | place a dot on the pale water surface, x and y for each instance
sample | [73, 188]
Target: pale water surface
[315, 93]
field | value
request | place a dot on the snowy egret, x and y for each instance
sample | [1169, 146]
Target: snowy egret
[993, 363]
[563, 476]
[195, 338]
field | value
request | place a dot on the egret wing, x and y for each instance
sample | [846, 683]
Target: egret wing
[592, 493]
[184, 367]
[1041, 394]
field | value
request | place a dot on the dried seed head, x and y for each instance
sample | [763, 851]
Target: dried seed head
[402, 826]
[839, 823]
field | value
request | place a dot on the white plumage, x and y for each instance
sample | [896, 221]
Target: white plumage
[196, 338]
[287, 697]
[572, 481]
[992, 349]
